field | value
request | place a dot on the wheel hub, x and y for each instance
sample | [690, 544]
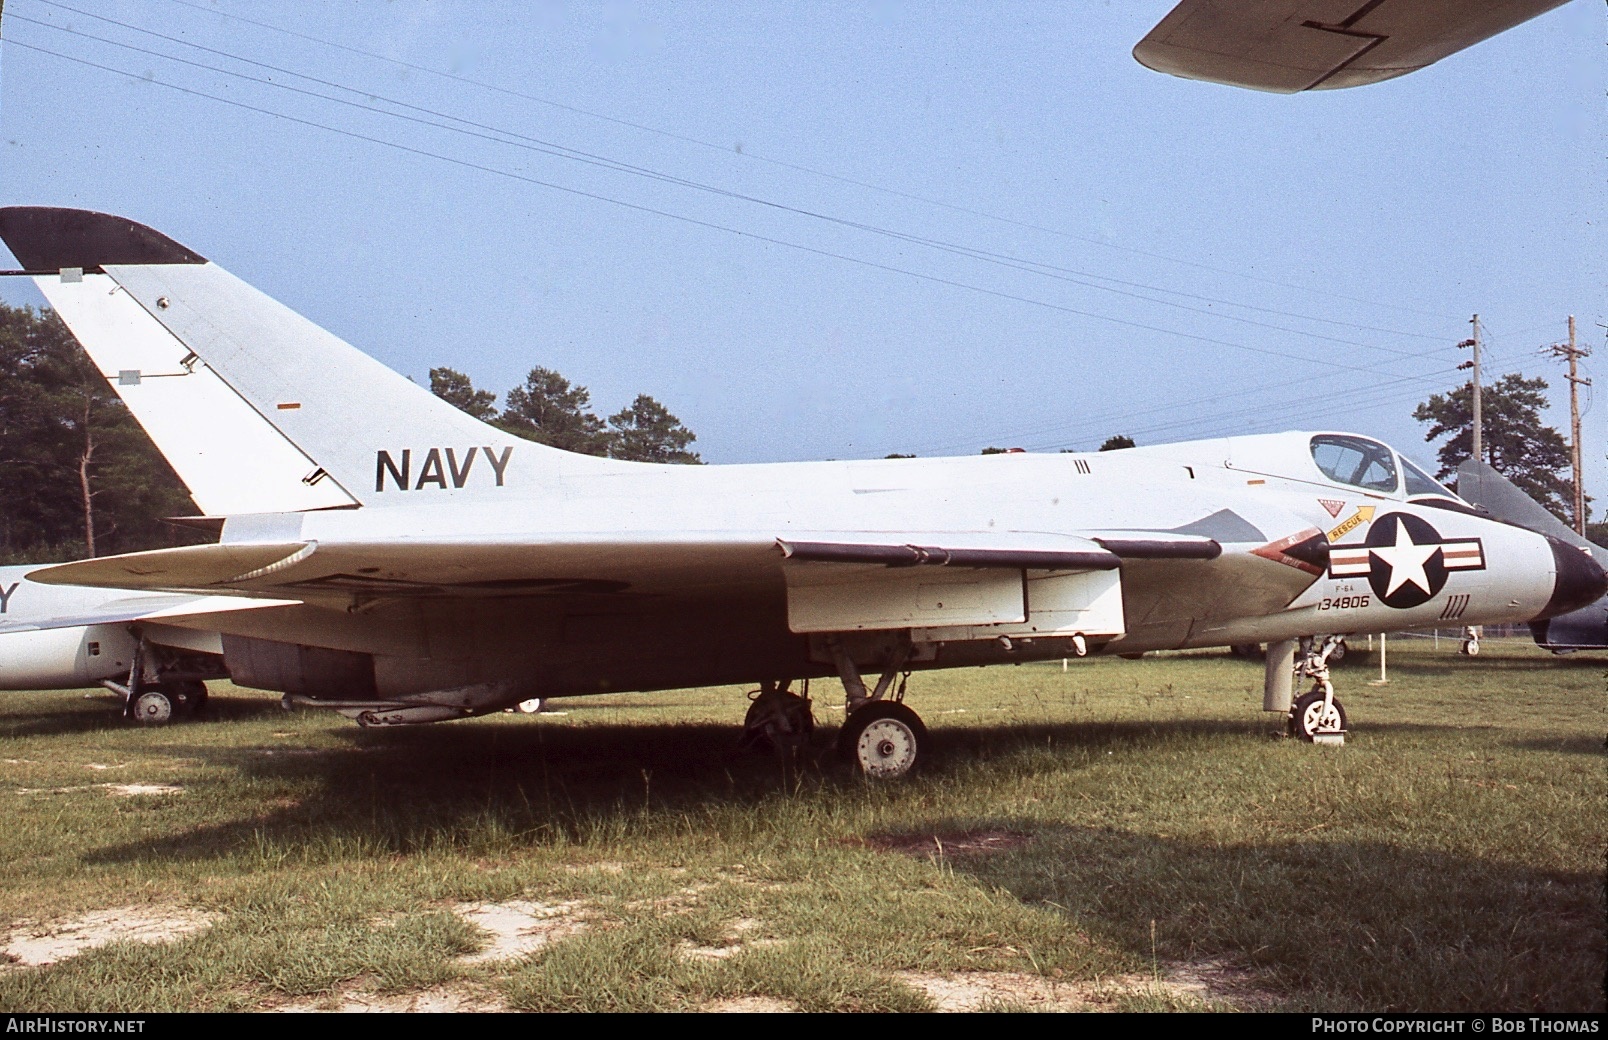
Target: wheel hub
[887, 748]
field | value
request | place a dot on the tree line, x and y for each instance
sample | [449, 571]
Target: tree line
[549, 409]
[79, 477]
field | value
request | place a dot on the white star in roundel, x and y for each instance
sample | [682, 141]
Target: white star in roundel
[1406, 560]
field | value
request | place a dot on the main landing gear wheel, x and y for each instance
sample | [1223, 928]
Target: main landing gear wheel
[189, 696]
[884, 739]
[152, 708]
[1309, 718]
[1471, 647]
[530, 707]
[778, 721]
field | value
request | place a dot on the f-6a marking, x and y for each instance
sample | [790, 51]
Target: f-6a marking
[569, 575]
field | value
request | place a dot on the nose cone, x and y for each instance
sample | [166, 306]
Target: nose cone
[1580, 580]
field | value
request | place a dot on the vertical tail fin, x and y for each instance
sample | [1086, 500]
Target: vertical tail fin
[257, 408]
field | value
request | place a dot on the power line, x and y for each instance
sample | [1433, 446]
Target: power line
[930, 278]
[1070, 275]
[813, 171]
[1087, 425]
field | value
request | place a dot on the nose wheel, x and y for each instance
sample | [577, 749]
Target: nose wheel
[152, 708]
[1318, 717]
[1315, 718]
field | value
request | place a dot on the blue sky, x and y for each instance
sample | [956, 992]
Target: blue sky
[839, 231]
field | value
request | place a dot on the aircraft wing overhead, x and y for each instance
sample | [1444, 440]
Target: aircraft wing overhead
[1287, 46]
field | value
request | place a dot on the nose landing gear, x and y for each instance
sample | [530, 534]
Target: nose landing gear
[1317, 716]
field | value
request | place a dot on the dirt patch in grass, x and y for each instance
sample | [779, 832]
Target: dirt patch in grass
[947, 844]
[115, 790]
[520, 927]
[730, 943]
[748, 1006]
[33, 943]
[1205, 982]
[433, 1000]
[606, 867]
[678, 902]
[971, 990]
[1210, 981]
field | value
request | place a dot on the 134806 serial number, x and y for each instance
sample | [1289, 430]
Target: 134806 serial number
[1344, 603]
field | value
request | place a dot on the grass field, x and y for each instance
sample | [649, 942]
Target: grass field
[1120, 835]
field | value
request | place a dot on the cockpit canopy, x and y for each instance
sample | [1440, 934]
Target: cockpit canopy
[1370, 465]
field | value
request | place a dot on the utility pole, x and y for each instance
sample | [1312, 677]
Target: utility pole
[1574, 353]
[1474, 341]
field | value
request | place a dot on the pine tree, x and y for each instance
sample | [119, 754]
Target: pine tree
[647, 432]
[455, 388]
[548, 409]
[1515, 442]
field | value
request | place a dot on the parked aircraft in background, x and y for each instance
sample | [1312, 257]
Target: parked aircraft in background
[1287, 46]
[65, 637]
[425, 566]
[1497, 497]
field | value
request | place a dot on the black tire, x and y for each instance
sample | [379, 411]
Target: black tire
[153, 707]
[792, 723]
[884, 740]
[1307, 717]
[189, 697]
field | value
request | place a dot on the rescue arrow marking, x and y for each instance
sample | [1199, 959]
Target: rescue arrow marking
[1352, 522]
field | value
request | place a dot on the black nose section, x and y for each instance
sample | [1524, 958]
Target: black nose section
[1580, 581]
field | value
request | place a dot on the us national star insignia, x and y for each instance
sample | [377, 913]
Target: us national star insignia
[1405, 560]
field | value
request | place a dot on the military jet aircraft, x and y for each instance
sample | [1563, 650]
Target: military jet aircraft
[1287, 46]
[433, 567]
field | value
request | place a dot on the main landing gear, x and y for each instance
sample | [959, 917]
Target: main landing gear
[778, 720]
[1317, 716]
[881, 737]
[156, 701]
[1471, 641]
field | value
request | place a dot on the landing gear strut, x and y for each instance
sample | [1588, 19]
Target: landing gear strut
[778, 720]
[880, 736]
[1317, 716]
[156, 701]
[1471, 641]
